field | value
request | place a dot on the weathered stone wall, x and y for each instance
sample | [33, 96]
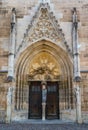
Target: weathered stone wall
[63, 12]
[84, 97]
[84, 85]
[3, 93]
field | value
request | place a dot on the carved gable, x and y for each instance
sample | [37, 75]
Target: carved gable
[44, 28]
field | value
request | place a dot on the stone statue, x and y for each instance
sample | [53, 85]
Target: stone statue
[76, 92]
[44, 95]
[9, 105]
[9, 96]
[78, 104]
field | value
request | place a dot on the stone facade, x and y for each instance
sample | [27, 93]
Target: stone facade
[42, 27]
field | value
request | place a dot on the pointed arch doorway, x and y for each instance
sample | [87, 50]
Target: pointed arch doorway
[44, 68]
[43, 61]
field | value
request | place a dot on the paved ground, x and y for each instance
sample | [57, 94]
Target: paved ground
[26, 126]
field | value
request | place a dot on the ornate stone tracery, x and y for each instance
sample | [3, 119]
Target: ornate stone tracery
[44, 28]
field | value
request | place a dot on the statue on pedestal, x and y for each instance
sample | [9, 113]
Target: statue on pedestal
[9, 96]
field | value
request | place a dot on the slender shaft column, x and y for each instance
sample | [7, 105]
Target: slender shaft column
[9, 106]
[44, 96]
[75, 47]
[43, 111]
[12, 46]
[77, 76]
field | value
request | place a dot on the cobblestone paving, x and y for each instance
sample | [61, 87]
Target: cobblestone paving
[20, 126]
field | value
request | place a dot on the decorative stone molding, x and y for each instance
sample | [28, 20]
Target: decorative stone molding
[43, 25]
[44, 28]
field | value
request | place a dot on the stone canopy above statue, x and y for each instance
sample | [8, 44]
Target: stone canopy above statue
[44, 67]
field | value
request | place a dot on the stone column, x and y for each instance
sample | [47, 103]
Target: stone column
[9, 106]
[12, 46]
[44, 96]
[75, 47]
[77, 76]
[43, 111]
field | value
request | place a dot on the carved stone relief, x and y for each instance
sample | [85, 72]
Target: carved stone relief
[44, 67]
[44, 28]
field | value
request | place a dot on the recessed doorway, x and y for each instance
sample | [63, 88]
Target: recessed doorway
[35, 100]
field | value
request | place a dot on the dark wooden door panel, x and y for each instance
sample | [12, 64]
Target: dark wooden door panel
[52, 107]
[35, 102]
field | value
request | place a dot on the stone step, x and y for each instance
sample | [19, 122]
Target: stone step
[39, 121]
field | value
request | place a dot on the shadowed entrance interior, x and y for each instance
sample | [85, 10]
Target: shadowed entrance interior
[35, 100]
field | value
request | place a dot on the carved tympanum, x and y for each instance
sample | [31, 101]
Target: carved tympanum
[44, 67]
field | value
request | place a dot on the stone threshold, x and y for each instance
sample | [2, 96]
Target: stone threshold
[38, 121]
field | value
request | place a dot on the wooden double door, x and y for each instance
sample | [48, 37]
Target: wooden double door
[35, 100]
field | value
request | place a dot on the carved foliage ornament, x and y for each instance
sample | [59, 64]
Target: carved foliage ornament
[44, 28]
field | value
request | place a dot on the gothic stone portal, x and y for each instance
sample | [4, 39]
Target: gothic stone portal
[30, 95]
